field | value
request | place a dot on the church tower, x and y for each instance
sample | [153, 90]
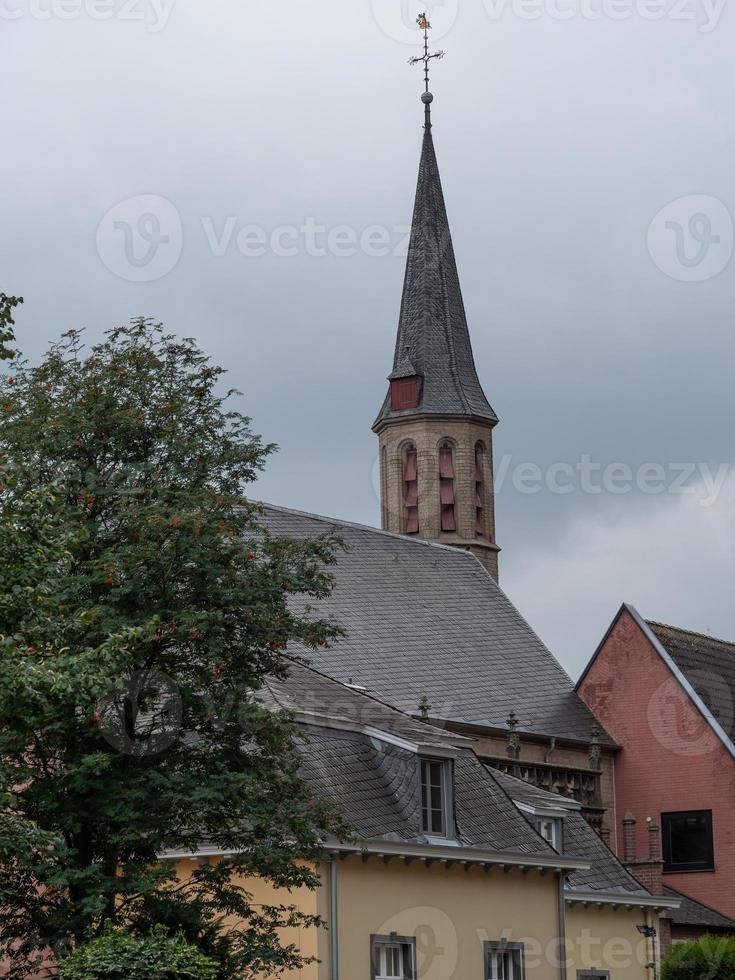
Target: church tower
[435, 426]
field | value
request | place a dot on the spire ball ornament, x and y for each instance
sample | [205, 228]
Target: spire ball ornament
[427, 98]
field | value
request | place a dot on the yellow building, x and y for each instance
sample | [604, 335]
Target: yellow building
[457, 871]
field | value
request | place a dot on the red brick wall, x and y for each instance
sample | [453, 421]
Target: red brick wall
[671, 759]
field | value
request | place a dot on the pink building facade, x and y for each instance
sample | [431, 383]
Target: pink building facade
[666, 697]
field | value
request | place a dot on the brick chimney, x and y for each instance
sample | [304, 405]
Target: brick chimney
[648, 870]
[654, 840]
[629, 848]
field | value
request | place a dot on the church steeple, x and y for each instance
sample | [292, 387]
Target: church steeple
[435, 425]
[432, 328]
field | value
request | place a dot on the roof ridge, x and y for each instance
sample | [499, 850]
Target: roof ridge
[384, 704]
[335, 521]
[680, 629]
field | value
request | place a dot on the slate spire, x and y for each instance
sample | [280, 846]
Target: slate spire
[433, 337]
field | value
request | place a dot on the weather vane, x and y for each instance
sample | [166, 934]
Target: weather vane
[426, 58]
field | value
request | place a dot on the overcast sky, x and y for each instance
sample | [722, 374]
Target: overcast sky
[244, 171]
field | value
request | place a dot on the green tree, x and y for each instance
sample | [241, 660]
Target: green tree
[120, 956]
[141, 606]
[7, 334]
[709, 958]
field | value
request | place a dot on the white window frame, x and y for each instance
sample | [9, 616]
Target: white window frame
[555, 826]
[406, 947]
[512, 955]
[447, 797]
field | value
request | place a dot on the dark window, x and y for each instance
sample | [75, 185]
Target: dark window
[411, 490]
[503, 961]
[392, 957]
[433, 797]
[687, 841]
[404, 393]
[446, 488]
[592, 975]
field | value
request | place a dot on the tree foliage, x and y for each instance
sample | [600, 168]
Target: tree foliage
[7, 334]
[141, 606]
[709, 958]
[120, 956]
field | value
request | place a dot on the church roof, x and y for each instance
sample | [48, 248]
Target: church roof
[433, 337]
[426, 620]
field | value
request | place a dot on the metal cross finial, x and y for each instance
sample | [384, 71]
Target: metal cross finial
[426, 59]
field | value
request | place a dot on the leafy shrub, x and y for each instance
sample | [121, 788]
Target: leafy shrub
[120, 956]
[710, 958]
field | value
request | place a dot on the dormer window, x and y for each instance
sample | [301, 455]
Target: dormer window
[436, 796]
[404, 394]
[550, 829]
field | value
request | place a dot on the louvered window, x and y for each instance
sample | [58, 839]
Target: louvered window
[446, 488]
[480, 517]
[404, 394]
[411, 490]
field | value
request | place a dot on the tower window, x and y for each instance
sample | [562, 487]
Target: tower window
[411, 490]
[446, 488]
[404, 393]
[480, 517]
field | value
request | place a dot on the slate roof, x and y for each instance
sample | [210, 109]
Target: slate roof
[376, 783]
[433, 338]
[709, 666]
[694, 913]
[606, 873]
[311, 695]
[426, 620]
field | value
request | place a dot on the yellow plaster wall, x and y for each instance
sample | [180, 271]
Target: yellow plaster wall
[606, 939]
[451, 912]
